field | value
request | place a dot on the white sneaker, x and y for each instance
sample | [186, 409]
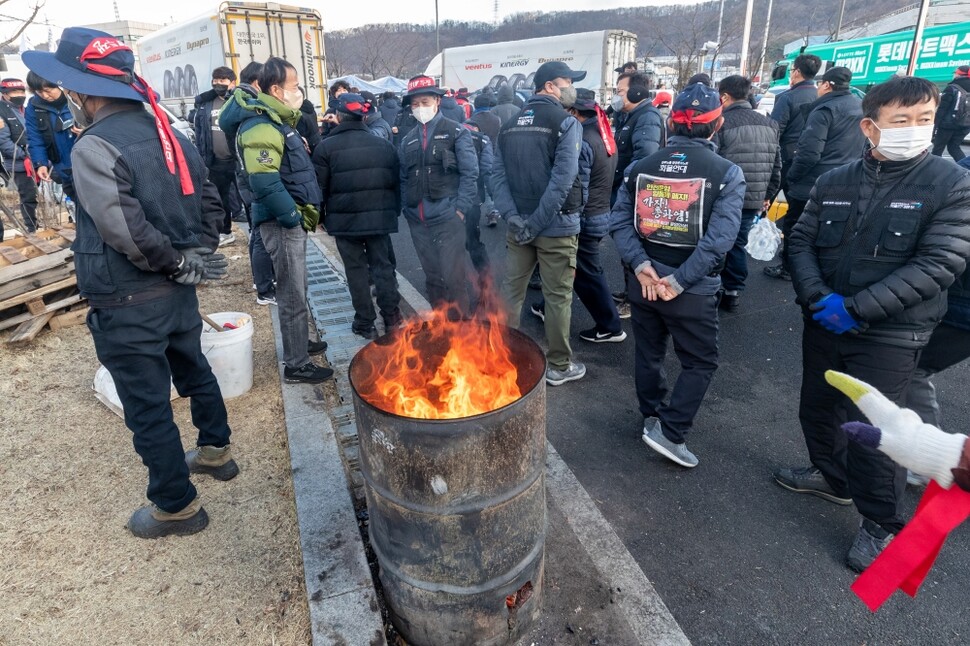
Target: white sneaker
[226, 238]
[556, 377]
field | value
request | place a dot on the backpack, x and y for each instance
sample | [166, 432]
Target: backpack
[959, 116]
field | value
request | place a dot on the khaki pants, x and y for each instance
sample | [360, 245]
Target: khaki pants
[557, 268]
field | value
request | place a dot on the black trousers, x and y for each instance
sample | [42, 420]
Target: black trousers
[948, 346]
[224, 177]
[873, 480]
[691, 321]
[27, 190]
[951, 140]
[364, 258]
[473, 239]
[795, 208]
[144, 347]
[441, 249]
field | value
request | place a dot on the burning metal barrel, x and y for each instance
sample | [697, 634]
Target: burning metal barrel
[456, 498]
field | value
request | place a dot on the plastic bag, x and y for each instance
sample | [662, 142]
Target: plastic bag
[763, 240]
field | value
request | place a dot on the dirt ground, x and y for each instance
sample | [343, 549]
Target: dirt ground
[70, 573]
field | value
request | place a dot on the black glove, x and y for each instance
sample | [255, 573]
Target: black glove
[519, 229]
[216, 267]
[191, 267]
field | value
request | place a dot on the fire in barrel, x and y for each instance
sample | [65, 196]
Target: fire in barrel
[451, 419]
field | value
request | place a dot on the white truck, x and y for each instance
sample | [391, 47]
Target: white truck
[515, 62]
[178, 59]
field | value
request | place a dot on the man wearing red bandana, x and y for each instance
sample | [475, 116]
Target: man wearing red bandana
[675, 218]
[147, 224]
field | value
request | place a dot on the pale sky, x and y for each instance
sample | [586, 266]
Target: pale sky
[336, 15]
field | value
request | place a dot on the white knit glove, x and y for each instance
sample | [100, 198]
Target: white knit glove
[901, 434]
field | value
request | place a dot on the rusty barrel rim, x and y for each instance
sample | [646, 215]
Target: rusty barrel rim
[518, 337]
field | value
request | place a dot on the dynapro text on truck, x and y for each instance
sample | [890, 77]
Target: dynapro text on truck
[875, 59]
[515, 62]
[178, 59]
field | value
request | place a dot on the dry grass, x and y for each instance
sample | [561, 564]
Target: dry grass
[70, 573]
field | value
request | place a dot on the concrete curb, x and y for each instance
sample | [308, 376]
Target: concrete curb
[343, 604]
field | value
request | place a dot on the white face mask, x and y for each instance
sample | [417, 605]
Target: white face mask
[617, 102]
[900, 144]
[424, 114]
[293, 99]
[81, 119]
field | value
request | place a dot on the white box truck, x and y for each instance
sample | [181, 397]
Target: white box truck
[178, 59]
[514, 62]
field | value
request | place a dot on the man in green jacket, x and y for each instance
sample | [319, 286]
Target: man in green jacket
[286, 200]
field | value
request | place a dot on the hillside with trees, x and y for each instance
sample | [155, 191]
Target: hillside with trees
[403, 50]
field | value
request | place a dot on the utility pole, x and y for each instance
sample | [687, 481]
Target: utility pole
[437, 33]
[764, 45]
[746, 39]
[924, 9]
[717, 50]
[838, 29]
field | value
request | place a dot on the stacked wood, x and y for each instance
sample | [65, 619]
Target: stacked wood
[38, 287]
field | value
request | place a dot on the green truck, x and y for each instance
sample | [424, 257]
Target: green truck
[873, 60]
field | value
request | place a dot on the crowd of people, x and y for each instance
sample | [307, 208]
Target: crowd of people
[877, 234]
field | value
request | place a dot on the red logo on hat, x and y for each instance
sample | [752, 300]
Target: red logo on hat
[420, 82]
[101, 47]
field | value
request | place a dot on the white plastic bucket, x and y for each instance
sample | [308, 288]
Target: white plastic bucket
[230, 353]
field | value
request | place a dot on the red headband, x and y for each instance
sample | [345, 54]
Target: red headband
[962, 72]
[100, 48]
[690, 117]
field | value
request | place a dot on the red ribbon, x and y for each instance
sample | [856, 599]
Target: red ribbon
[605, 131]
[174, 157]
[29, 168]
[906, 561]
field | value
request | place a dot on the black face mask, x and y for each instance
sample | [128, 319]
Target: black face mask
[18, 101]
[221, 90]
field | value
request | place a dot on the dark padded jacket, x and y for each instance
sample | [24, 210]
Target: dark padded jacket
[450, 109]
[488, 123]
[359, 176]
[944, 113]
[390, 108]
[750, 140]
[889, 236]
[202, 124]
[790, 117]
[640, 135]
[832, 137]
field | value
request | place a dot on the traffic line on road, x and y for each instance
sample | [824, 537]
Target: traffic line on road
[645, 612]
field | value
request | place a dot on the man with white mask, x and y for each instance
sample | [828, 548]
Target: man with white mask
[878, 244]
[439, 185]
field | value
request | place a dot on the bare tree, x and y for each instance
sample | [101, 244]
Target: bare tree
[685, 37]
[23, 22]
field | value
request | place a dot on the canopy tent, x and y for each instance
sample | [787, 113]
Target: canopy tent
[377, 86]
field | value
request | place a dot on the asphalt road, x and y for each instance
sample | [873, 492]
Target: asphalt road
[736, 558]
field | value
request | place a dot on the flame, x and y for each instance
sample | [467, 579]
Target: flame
[443, 368]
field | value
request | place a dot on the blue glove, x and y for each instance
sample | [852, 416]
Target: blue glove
[831, 314]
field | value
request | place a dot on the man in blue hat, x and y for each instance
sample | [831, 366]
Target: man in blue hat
[675, 218]
[147, 222]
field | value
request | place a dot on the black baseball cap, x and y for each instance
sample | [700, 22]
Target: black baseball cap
[838, 76]
[585, 100]
[552, 70]
[619, 70]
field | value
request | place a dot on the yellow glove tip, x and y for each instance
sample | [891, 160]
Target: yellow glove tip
[851, 386]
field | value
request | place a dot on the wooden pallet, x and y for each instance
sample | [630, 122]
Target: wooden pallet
[38, 284]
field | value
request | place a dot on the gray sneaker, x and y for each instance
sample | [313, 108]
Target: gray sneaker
[656, 440]
[574, 371]
[809, 480]
[868, 544]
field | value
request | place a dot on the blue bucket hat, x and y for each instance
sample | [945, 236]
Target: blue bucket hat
[94, 63]
[90, 62]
